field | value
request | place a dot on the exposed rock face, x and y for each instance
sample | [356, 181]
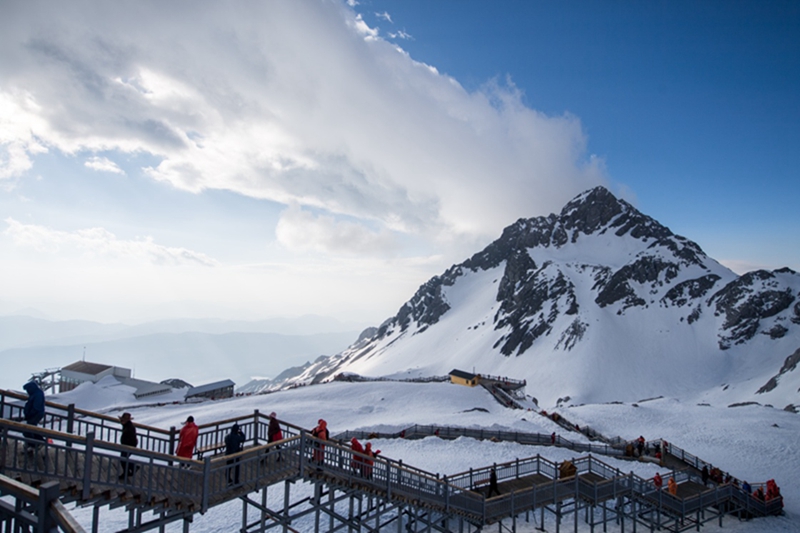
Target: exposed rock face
[789, 365]
[691, 290]
[747, 301]
[529, 306]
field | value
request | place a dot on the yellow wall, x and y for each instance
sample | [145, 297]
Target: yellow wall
[462, 381]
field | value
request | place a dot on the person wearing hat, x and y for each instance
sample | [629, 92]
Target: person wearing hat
[128, 438]
[274, 433]
[187, 439]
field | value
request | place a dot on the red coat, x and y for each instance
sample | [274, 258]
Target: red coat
[187, 440]
[357, 448]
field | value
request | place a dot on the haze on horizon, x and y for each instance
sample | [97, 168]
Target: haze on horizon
[254, 160]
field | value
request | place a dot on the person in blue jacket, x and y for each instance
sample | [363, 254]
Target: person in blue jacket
[34, 409]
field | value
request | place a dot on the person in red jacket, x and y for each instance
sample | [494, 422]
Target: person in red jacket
[368, 462]
[357, 462]
[274, 432]
[187, 439]
[657, 481]
[320, 432]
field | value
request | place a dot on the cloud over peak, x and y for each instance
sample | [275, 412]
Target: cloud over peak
[295, 102]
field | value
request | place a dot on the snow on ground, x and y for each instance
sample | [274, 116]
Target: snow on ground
[753, 443]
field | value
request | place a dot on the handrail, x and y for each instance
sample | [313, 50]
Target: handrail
[58, 512]
[521, 437]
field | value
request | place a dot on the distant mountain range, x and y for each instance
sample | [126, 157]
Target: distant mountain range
[597, 303]
[198, 351]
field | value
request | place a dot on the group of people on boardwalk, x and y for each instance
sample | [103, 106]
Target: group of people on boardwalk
[641, 448]
[672, 485]
[363, 458]
[717, 477]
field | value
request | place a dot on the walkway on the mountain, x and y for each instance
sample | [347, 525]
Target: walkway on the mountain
[81, 456]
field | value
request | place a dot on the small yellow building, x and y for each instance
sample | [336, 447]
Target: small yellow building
[459, 377]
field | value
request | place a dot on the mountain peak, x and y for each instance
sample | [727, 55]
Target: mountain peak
[597, 210]
[575, 300]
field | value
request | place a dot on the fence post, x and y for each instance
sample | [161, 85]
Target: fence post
[3, 449]
[255, 427]
[47, 493]
[206, 483]
[302, 451]
[70, 422]
[389, 480]
[172, 438]
[87, 465]
[446, 494]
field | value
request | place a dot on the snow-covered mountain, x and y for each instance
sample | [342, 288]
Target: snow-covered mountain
[598, 303]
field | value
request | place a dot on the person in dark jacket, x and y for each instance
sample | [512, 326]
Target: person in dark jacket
[704, 474]
[128, 438]
[493, 488]
[234, 443]
[33, 411]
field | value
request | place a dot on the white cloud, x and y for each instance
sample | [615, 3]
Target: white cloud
[98, 242]
[103, 164]
[19, 118]
[301, 230]
[400, 34]
[384, 16]
[296, 102]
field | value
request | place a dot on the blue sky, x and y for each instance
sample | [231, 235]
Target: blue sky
[694, 106]
[281, 158]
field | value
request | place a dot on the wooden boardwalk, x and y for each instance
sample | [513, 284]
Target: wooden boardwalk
[89, 471]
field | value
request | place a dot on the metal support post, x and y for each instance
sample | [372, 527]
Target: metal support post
[255, 427]
[263, 506]
[286, 499]
[87, 466]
